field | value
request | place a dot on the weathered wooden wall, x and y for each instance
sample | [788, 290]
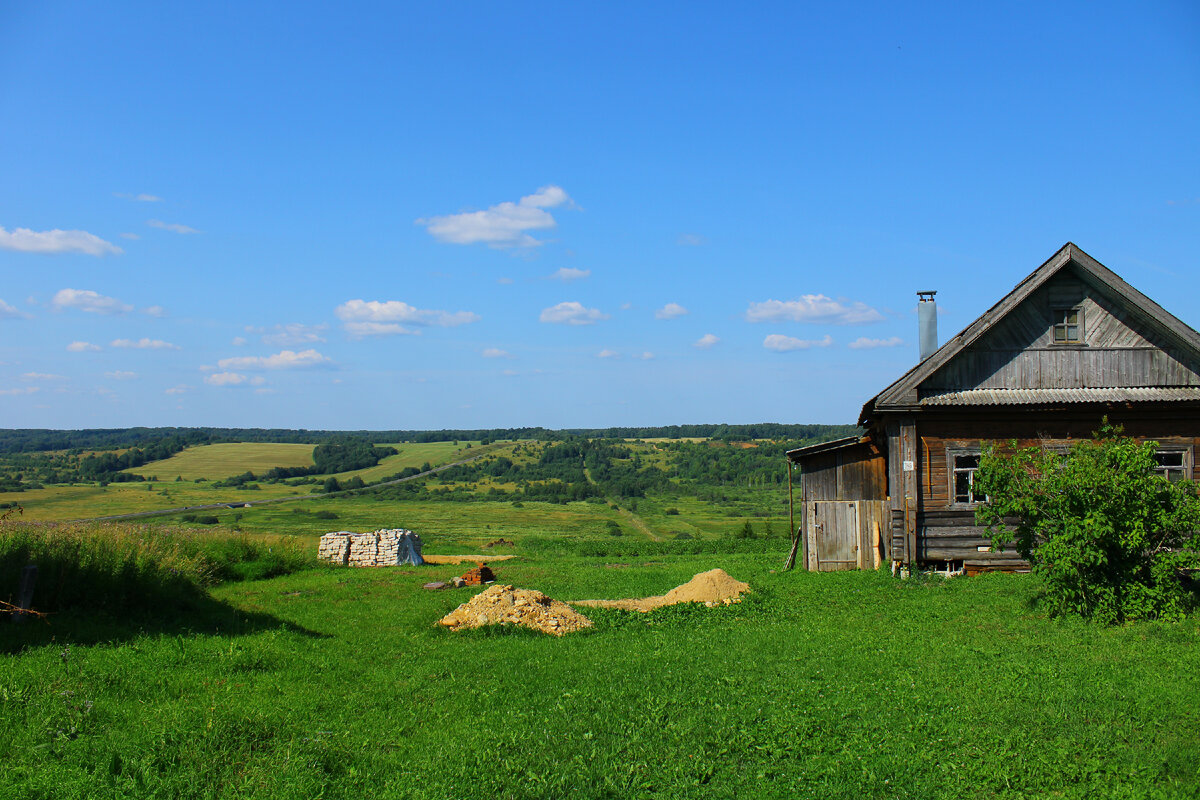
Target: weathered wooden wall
[858, 472]
[946, 531]
[1019, 353]
[846, 534]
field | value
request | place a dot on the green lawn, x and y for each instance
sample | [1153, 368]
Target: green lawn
[337, 684]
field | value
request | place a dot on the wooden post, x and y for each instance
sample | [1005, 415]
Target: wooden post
[25, 593]
[791, 559]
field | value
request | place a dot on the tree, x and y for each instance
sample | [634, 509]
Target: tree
[1113, 539]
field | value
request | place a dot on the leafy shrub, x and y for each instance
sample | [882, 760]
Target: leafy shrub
[672, 512]
[206, 519]
[326, 514]
[1111, 538]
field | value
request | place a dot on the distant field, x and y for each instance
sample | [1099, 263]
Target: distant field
[412, 455]
[87, 501]
[217, 461]
[212, 462]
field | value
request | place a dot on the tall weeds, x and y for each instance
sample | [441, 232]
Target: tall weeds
[121, 567]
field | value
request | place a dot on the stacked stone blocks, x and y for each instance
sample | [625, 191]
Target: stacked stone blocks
[382, 548]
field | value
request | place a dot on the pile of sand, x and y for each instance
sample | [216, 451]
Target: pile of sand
[713, 588]
[504, 605]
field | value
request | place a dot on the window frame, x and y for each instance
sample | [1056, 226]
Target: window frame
[1186, 466]
[1059, 321]
[952, 470]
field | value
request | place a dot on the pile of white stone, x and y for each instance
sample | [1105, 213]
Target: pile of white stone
[382, 548]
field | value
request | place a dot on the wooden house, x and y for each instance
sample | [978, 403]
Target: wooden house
[1071, 344]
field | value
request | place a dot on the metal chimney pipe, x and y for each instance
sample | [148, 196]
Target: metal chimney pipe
[927, 323]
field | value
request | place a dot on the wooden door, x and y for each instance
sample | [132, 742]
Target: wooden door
[833, 535]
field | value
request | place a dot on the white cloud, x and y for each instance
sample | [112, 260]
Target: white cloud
[225, 379]
[21, 390]
[119, 375]
[131, 236]
[361, 329]
[375, 318]
[782, 344]
[670, 311]
[646, 356]
[510, 373]
[501, 225]
[144, 344]
[691, 240]
[286, 359]
[24, 240]
[813, 308]
[173, 227]
[239, 341]
[11, 312]
[42, 376]
[706, 341]
[87, 300]
[495, 352]
[568, 274]
[504, 281]
[863, 343]
[180, 389]
[139, 198]
[608, 354]
[82, 347]
[572, 313]
[155, 311]
[292, 333]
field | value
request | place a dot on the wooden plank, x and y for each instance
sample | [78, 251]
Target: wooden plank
[910, 464]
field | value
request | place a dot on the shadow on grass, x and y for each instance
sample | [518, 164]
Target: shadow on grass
[200, 616]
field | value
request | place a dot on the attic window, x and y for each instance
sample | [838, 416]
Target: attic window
[1068, 326]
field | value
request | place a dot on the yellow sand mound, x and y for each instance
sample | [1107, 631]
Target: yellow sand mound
[505, 605]
[713, 588]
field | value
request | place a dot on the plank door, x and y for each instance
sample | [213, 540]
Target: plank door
[834, 534]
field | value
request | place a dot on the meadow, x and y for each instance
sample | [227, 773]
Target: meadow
[270, 675]
[337, 683]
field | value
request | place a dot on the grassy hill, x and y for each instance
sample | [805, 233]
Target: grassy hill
[216, 461]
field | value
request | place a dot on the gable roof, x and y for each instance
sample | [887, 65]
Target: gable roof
[902, 393]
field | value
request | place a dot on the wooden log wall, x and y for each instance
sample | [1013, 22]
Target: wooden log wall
[940, 436]
[946, 531]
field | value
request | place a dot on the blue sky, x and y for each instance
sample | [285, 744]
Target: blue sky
[560, 214]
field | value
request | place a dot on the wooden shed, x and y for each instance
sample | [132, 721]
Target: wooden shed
[1069, 345]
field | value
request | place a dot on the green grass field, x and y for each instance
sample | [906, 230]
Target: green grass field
[338, 684]
[216, 461]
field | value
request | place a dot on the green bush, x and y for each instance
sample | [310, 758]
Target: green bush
[1112, 539]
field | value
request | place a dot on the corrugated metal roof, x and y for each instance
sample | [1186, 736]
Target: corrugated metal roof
[1011, 397]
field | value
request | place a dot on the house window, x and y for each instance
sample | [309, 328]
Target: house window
[965, 471]
[1172, 464]
[1068, 326]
